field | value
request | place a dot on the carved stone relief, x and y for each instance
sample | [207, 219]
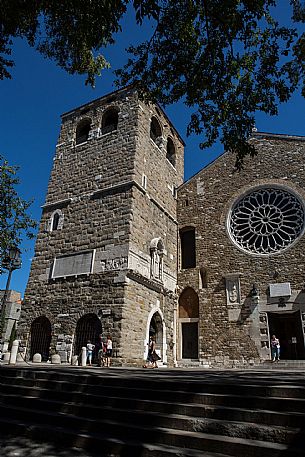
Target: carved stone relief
[119, 263]
[233, 290]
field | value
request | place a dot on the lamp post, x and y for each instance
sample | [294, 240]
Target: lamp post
[10, 263]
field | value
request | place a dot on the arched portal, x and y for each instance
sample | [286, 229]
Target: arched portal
[156, 327]
[41, 338]
[188, 324]
[88, 328]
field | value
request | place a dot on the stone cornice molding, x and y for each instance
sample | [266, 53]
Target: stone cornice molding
[58, 203]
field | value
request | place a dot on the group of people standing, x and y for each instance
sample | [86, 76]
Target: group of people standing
[103, 349]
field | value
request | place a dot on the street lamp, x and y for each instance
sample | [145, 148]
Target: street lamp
[11, 262]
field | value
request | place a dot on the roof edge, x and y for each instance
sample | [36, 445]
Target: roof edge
[255, 135]
[280, 136]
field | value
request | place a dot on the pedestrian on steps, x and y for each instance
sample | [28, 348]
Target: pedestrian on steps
[152, 356]
[90, 348]
[275, 348]
[108, 351]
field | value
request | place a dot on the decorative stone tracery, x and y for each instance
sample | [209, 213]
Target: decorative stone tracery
[266, 221]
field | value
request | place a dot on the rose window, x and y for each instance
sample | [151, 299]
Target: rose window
[266, 221]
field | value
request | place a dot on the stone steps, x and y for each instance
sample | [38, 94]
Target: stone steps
[155, 415]
[90, 437]
[70, 413]
[90, 406]
[269, 399]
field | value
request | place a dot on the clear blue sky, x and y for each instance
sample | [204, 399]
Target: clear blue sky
[39, 92]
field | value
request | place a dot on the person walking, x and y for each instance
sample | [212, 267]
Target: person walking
[100, 350]
[275, 348]
[90, 348]
[152, 356]
[108, 351]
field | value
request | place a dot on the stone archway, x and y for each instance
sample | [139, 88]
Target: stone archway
[156, 327]
[156, 330]
[188, 323]
[88, 328]
[40, 335]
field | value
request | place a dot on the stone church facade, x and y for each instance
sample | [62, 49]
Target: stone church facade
[211, 267]
[241, 275]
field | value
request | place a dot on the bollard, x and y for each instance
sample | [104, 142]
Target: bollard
[6, 356]
[84, 357]
[74, 360]
[55, 358]
[14, 351]
[36, 358]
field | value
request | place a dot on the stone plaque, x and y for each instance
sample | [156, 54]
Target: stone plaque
[72, 265]
[280, 289]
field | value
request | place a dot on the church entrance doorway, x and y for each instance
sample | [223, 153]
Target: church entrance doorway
[188, 324]
[40, 338]
[189, 340]
[288, 329]
[88, 328]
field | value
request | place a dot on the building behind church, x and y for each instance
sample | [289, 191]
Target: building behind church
[212, 269]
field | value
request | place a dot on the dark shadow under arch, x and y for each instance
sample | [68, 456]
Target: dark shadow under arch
[41, 334]
[88, 328]
[188, 304]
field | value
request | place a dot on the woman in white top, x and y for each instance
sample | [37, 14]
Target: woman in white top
[108, 351]
[90, 348]
[275, 348]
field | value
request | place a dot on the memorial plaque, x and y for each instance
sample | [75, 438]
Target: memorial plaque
[280, 289]
[73, 265]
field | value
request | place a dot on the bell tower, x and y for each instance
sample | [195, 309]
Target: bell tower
[106, 253]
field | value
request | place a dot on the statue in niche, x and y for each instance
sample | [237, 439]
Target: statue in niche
[263, 319]
[156, 259]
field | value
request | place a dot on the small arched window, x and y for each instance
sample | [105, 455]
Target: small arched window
[171, 152]
[56, 221]
[155, 131]
[188, 247]
[110, 121]
[82, 131]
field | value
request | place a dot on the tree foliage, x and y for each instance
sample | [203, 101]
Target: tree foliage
[226, 59]
[14, 220]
